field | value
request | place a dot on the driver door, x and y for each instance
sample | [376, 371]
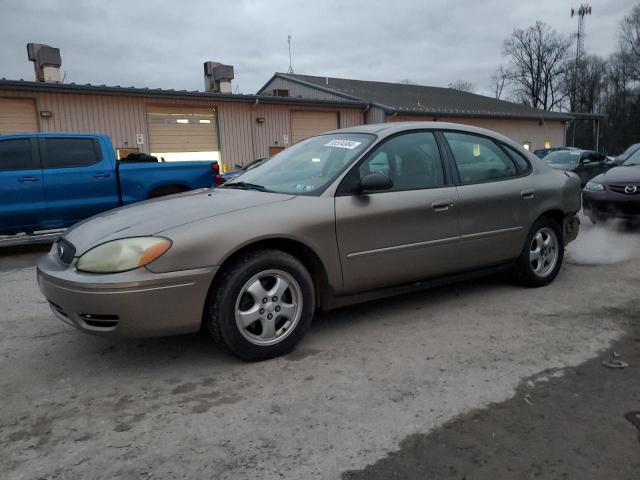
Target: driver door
[406, 233]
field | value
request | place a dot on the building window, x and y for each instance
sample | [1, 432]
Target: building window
[527, 145]
[547, 144]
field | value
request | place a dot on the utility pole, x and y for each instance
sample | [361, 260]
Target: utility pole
[581, 12]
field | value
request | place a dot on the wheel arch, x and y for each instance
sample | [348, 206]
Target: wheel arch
[301, 251]
[558, 217]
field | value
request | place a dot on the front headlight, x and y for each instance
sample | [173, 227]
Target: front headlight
[594, 187]
[122, 255]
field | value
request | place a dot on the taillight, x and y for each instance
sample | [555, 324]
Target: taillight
[215, 166]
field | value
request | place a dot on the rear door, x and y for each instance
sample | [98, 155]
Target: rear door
[22, 203]
[404, 234]
[78, 178]
[494, 199]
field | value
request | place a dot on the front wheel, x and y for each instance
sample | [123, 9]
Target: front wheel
[261, 306]
[541, 257]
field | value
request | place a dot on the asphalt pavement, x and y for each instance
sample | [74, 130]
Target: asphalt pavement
[479, 380]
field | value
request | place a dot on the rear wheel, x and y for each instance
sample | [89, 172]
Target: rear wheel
[261, 306]
[542, 255]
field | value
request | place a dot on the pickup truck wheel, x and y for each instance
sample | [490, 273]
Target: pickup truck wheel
[541, 257]
[261, 306]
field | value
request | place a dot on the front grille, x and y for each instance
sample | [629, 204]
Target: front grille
[65, 250]
[99, 321]
[623, 188]
[625, 208]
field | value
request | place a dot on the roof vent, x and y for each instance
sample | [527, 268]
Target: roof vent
[46, 62]
[217, 77]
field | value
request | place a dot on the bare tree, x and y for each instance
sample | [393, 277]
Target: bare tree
[463, 86]
[630, 39]
[584, 86]
[537, 61]
[499, 81]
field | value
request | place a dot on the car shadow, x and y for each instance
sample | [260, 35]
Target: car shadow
[385, 308]
[198, 349]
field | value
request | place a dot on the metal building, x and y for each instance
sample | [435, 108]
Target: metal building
[389, 102]
[175, 125]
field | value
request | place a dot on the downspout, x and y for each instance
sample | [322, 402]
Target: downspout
[253, 127]
[364, 113]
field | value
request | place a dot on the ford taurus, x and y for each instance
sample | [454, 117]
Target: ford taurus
[342, 217]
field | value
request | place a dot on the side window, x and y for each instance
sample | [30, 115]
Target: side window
[70, 152]
[411, 160]
[15, 154]
[479, 159]
[521, 162]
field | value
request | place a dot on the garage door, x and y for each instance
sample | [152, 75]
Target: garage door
[305, 124]
[18, 115]
[183, 133]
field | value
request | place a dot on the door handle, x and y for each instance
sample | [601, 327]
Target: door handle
[527, 194]
[442, 205]
[101, 175]
[28, 179]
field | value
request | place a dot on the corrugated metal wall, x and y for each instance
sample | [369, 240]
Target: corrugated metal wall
[297, 90]
[375, 115]
[519, 131]
[242, 137]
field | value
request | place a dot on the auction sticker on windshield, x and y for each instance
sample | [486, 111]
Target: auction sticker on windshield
[349, 144]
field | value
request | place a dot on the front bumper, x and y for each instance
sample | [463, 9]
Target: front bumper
[610, 205]
[138, 303]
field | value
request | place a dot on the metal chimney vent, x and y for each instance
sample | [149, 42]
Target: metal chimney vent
[46, 62]
[217, 77]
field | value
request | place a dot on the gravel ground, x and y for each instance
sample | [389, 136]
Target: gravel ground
[365, 381]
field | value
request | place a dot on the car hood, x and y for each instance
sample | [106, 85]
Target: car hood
[154, 216]
[630, 174]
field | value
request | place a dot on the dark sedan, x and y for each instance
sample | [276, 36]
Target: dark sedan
[543, 152]
[614, 194]
[624, 156]
[584, 163]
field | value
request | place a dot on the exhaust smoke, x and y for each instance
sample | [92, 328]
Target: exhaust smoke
[604, 244]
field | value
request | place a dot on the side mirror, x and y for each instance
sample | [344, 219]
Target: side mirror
[585, 161]
[373, 182]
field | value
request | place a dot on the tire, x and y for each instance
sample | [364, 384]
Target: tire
[237, 316]
[539, 270]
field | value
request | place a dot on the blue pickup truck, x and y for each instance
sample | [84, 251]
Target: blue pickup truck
[51, 181]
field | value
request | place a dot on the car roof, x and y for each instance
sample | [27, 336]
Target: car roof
[386, 129]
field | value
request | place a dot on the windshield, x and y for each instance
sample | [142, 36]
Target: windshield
[563, 157]
[633, 159]
[633, 148]
[306, 167]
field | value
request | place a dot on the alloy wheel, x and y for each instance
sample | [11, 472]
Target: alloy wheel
[543, 252]
[268, 307]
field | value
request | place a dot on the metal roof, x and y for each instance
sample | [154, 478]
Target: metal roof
[169, 93]
[406, 99]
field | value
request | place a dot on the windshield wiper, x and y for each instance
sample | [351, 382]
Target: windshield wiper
[246, 186]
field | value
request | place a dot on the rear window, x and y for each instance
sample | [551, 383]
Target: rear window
[70, 152]
[521, 162]
[15, 154]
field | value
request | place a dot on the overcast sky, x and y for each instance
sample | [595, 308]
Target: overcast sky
[163, 43]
